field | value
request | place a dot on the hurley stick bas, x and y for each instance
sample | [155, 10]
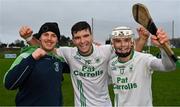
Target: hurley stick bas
[141, 15]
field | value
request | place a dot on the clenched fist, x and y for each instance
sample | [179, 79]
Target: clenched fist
[25, 32]
[161, 38]
[38, 53]
[143, 33]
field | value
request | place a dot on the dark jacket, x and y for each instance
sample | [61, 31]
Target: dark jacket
[38, 81]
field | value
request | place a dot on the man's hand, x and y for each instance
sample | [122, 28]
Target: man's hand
[143, 33]
[38, 53]
[161, 38]
[25, 32]
[143, 37]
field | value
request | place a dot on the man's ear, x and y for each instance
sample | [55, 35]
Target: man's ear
[39, 39]
[73, 41]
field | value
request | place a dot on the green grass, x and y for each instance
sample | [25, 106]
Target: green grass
[67, 90]
[165, 87]
[6, 97]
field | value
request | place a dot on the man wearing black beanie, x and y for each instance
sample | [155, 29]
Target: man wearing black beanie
[49, 26]
[37, 72]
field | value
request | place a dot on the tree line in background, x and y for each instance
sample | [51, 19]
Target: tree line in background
[16, 43]
[65, 41]
[175, 42]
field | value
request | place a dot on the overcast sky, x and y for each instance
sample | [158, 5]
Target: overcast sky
[107, 14]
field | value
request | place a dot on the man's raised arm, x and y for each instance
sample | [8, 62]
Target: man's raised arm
[142, 39]
[26, 33]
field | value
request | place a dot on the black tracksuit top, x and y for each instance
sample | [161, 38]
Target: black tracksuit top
[39, 81]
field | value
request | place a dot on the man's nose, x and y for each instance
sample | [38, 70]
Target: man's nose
[82, 40]
[123, 43]
[49, 37]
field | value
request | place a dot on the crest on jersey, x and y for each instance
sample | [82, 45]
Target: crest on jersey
[121, 69]
[97, 60]
[131, 68]
[56, 66]
[87, 62]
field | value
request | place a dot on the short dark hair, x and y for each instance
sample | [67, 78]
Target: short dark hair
[80, 26]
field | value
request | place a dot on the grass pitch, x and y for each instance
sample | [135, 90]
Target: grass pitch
[165, 87]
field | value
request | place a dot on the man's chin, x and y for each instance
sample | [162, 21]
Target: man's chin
[84, 52]
[49, 49]
[122, 54]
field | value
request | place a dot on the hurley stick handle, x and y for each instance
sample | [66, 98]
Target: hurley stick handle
[153, 29]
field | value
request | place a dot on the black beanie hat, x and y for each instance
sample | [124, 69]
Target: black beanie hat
[49, 26]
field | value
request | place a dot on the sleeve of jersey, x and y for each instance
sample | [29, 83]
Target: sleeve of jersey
[164, 64]
[64, 52]
[107, 50]
[20, 70]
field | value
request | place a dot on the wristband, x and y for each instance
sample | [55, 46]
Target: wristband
[29, 38]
